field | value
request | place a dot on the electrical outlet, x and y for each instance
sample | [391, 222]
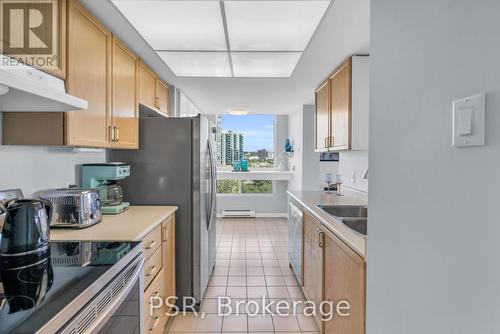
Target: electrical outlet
[353, 177]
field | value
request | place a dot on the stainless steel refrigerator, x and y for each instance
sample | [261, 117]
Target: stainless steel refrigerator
[176, 165]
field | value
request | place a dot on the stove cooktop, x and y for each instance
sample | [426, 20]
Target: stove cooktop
[35, 289]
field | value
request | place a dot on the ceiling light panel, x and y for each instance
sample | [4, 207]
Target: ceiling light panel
[264, 64]
[272, 25]
[197, 64]
[176, 25]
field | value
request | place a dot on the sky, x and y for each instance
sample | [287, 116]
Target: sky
[257, 130]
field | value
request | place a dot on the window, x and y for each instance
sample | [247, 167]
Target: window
[247, 138]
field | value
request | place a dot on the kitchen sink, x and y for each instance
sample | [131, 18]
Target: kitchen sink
[352, 216]
[345, 210]
[357, 224]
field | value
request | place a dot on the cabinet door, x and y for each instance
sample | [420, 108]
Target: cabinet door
[88, 77]
[340, 106]
[322, 116]
[147, 87]
[344, 280]
[169, 259]
[313, 261]
[124, 104]
[162, 97]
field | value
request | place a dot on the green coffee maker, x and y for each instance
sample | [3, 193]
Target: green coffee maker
[103, 177]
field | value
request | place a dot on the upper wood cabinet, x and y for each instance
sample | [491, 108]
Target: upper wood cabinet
[322, 116]
[153, 93]
[125, 122]
[103, 71]
[342, 103]
[147, 87]
[340, 108]
[88, 77]
[163, 97]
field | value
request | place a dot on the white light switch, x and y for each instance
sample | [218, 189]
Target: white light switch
[465, 121]
[469, 121]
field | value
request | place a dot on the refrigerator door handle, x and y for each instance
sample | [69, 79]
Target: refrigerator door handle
[212, 185]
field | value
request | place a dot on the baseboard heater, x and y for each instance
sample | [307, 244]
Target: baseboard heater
[247, 213]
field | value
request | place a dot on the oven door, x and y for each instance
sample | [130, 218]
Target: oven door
[117, 308]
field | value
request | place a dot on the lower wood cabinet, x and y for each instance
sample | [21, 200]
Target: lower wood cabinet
[159, 274]
[344, 280]
[154, 317]
[313, 262]
[333, 272]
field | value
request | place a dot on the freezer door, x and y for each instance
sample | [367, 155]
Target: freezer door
[207, 224]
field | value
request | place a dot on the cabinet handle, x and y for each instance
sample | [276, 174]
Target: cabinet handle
[320, 238]
[157, 102]
[151, 272]
[326, 142]
[117, 134]
[332, 141]
[165, 234]
[155, 323]
[112, 133]
[151, 244]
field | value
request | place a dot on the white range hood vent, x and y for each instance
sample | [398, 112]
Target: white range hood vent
[26, 89]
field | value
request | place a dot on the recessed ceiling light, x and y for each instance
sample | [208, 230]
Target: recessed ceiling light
[264, 64]
[238, 111]
[272, 25]
[197, 64]
[177, 25]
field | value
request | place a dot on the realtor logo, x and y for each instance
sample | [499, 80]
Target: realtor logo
[27, 27]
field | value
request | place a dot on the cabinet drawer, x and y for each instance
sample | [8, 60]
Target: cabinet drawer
[154, 321]
[152, 242]
[152, 266]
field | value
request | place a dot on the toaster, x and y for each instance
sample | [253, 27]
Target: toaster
[73, 207]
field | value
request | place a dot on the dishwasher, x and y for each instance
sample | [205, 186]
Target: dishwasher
[295, 231]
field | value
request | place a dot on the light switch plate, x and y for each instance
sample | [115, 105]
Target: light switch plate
[469, 121]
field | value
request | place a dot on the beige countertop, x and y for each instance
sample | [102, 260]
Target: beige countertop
[310, 199]
[131, 225]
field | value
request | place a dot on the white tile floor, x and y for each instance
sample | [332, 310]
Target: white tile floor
[252, 263]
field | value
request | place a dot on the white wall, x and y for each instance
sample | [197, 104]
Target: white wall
[331, 167]
[304, 162]
[434, 228]
[33, 168]
[357, 162]
[264, 204]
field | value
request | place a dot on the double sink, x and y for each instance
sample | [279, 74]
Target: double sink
[352, 216]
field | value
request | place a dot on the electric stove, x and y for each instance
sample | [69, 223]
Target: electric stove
[56, 290]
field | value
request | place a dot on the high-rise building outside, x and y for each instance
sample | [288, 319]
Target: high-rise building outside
[229, 146]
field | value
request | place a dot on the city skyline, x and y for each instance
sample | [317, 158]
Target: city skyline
[257, 130]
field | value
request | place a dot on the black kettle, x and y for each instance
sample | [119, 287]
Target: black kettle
[25, 227]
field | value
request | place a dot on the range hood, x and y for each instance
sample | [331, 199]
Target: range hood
[26, 89]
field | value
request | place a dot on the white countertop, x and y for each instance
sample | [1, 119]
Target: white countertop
[311, 199]
[131, 225]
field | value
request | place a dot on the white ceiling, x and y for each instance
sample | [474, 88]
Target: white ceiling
[343, 31]
[200, 26]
